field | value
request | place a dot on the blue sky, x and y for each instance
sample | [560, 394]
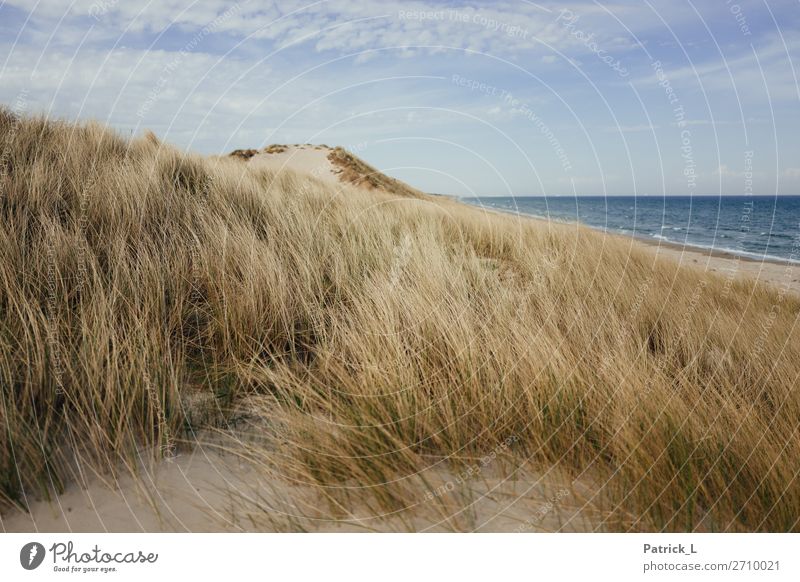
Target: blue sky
[485, 98]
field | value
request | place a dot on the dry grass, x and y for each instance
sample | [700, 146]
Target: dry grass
[374, 337]
[243, 155]
[354, 170]
[274, 149]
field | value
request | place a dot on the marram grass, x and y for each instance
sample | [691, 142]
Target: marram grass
[146, 294]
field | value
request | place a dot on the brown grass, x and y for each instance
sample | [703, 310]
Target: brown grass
[243, 154]
[374, 337]
[354, 170]
[274, 149]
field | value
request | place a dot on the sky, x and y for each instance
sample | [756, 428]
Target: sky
[496, 98]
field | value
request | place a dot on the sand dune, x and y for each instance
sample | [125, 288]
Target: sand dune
[335, 166]
[305, 159]
[377, 356]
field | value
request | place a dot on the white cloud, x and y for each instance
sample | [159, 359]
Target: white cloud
[630, 128]
[501, 28]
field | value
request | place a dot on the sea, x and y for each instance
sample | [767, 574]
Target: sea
[759, 227]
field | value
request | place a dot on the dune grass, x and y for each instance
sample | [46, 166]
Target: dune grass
[354, 170]
[146, 293]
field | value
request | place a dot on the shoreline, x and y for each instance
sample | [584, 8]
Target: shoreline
[713, 253]
[773, 271]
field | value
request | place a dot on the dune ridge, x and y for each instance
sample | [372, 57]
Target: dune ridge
[333, 165]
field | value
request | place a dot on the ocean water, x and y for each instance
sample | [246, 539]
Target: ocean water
[761, 227]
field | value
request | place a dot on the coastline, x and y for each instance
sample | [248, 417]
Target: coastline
[782, 275]
[778, 273]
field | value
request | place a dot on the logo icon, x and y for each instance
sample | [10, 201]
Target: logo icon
[31, 555]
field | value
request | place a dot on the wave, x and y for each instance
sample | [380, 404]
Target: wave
[639, 233]
[738, 252]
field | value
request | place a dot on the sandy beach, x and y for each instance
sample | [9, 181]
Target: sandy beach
[784, 276]
[777, 274]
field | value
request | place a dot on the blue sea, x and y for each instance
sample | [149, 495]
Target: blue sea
[760, 227]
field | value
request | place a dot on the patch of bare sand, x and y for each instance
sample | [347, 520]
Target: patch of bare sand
[184, 493]
[305, 159]
[331, 165]
[206, 490]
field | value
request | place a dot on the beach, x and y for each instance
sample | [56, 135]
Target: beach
[782, 275]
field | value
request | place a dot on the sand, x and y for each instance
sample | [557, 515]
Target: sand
[187, 493]
[306, 159]
[206, 490]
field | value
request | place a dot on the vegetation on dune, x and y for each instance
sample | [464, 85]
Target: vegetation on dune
[246, 154]
[274, 149]
[354, 170]
[141, 289]
[243, 155]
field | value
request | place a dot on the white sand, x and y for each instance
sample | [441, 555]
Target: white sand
[183, 494]
[307, 159]
[205, 491]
